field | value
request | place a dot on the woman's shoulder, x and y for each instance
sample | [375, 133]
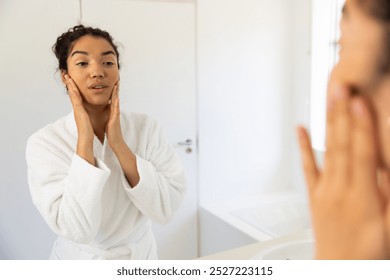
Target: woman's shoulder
[51, 132]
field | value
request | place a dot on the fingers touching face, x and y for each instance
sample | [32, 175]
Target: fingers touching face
[351, 158]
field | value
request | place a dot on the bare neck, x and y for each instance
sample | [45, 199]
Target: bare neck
[99, 117]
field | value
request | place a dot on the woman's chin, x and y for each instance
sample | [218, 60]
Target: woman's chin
[97, 103]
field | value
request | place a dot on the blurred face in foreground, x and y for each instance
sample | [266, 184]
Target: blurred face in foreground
[361, 66]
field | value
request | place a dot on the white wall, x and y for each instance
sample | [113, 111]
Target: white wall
[246, 52]
[31, 97]
[301, 75]
[254, 83]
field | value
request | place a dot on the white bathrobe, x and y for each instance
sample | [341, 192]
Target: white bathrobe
[93, 209]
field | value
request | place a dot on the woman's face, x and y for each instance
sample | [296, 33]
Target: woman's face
[93, 65]
[361, 46]
[361, 50]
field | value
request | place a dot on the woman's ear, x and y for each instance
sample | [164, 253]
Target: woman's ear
[63, 73]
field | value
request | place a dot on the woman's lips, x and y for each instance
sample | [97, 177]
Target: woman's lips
[98, 87]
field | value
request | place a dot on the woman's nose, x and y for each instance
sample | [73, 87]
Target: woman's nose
[97, 72]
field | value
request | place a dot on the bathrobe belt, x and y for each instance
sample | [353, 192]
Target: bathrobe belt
[141, 247]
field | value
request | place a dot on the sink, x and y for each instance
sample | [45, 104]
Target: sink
[294, 248]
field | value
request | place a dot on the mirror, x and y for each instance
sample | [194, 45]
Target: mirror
[232, 77]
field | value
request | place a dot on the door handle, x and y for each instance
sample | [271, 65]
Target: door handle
[188, 142]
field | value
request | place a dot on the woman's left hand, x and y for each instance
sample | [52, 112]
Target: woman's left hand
[113, 126]
[126, 157]
[351, 215]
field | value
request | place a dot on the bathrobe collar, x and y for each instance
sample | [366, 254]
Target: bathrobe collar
[100, 149]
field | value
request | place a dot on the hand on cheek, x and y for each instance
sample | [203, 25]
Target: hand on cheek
[84, 127]
[113, 127]
[347, 206]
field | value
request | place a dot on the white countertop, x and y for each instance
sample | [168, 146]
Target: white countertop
[247, 252]
[263, 203]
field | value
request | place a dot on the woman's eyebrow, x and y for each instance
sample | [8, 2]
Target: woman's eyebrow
[344, 9]
[108, 52]
[78, 52]
[86, 53]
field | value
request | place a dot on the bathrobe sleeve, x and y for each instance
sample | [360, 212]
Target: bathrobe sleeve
[162, 180]
[65, 188]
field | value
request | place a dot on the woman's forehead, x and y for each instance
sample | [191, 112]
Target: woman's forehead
[92, 44]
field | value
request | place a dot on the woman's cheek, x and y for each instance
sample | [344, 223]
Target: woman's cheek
[340, 74]
[381, 114]
[356, 70]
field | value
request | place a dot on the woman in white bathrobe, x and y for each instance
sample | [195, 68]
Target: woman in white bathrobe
[99, 176]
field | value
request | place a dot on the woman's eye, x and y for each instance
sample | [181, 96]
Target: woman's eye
[109, 63]
[82, 63]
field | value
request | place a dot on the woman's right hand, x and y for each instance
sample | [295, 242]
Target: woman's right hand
[83, 122]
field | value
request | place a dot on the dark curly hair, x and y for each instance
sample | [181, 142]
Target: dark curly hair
[380, 11]
[66, 41]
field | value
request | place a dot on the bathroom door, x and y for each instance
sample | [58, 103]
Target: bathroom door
[157, 45]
